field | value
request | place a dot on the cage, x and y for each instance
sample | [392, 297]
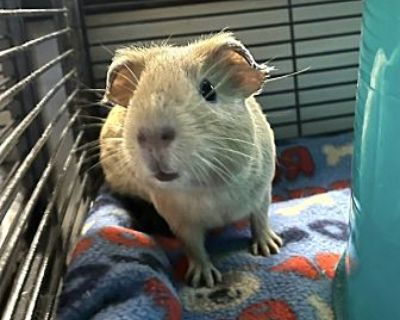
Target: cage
[53, 59]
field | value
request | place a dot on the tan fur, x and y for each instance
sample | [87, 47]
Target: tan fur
[114, 158]
[224, 151]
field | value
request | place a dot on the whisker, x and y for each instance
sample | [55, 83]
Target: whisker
[101, 124]
[212, 67]
[90, 144]
[95, 143]
[196, 173]
[97, 155]
[287, 75]
[235, 140]
[90, 149]
[89, 158]
[98, 163]
[107, 49]
[270, 60]
[211, 167]
[202, 179]
[92, 125]
[222, 82]
[204, 174]
[125, 65]
[131, 72]
[125, 87]
[233, 151]
[94, 104]
[223, 168]
[121, 164]
[93, 90]
[87, 88]
[92, 118]
[165, 42]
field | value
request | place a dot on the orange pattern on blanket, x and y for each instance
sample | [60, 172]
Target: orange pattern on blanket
[269, 309]
[82, 246]
[126, 237]
[164, 298]
[328, 262]
[299, 265]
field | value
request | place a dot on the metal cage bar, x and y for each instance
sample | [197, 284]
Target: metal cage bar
[9, 93]
[27, 45]
[30, 12]
[39, 231]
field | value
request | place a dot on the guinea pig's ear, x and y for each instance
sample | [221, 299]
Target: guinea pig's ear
[123, 76]
[233, 66]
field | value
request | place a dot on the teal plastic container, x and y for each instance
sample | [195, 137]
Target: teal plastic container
[367, 285]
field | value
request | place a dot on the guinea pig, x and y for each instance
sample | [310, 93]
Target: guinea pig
[186, 134]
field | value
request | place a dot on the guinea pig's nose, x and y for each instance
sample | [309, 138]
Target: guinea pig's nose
[161, 137]
[167, 134]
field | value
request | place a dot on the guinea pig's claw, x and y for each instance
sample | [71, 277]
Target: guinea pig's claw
[268, 243]
[205, 273]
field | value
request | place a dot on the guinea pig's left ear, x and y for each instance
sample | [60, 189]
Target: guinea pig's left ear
[230, 65]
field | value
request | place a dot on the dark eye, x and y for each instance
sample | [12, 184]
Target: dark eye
[207, 91]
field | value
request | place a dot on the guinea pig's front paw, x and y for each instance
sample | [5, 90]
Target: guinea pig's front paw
[204, 272]
[266, 243]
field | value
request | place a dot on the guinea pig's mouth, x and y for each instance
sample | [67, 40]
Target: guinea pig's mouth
[159, 169]
[162, 172]
[166, 176]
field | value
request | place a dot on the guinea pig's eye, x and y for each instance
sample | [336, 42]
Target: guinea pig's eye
[207, 91]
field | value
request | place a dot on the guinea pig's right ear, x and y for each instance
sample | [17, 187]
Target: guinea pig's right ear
[122, 78]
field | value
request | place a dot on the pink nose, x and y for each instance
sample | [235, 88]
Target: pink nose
[159, 138]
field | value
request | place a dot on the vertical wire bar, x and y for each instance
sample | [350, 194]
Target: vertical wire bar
[52, 313]
[294, 63]
[78, 24]
[74, 20]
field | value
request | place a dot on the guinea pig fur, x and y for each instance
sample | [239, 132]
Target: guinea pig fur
[186, 134]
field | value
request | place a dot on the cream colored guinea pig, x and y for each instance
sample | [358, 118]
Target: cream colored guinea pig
[187, 134]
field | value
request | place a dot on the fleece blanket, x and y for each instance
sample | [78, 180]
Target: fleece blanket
[120, 273]
[128, 266]
[311, 166]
